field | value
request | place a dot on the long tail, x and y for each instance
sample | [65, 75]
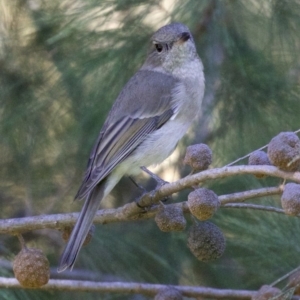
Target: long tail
[82, 227]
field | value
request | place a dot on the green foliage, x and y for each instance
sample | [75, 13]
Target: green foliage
[62, 65]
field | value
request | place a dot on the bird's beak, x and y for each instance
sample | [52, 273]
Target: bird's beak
[184, 37]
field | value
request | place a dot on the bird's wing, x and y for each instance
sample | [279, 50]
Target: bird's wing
[120, 136]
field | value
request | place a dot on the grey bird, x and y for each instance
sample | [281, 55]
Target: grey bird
[151, 114]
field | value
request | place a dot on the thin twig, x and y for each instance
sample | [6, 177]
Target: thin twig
[261, 148]
[247, 155]
[206, 19]
[243, 196]
[285, 276]
[255, 206]
[22, 241]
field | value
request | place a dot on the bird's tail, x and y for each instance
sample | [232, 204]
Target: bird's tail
[82, 227]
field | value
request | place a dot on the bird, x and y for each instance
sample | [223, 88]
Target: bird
[151, 114]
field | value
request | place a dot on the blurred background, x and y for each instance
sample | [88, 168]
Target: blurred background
[63, 63]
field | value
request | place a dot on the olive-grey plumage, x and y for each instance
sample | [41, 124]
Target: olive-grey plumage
[122, 132]
[152, 112]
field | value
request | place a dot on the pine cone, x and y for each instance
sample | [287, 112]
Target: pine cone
[258, 158]
[170, 218]
[290, 199]
[66, 233]
[31, 268]
[206, 241]
[199, 157]
[284, 151]
[203, 203]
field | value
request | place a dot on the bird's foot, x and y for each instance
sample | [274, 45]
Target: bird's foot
[160, 182]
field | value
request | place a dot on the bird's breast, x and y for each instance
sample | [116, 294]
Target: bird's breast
[190, 91]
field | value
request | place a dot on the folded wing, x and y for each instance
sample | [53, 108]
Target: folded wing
[122, 134]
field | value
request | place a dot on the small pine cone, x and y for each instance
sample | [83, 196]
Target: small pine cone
[290, 199]
[31, 268]
[199, 157]
[284, 151]
[170, 218]
[66, 233]
[294, 281]
[267, 292]
[258, 158]
[203, 203]
[206, 241]
[169, 293]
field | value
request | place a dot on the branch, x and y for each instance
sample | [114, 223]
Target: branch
[193, 180]
[131, 288]
[131, 211]
[105, 216]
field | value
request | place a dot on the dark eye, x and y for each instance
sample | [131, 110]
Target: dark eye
[159, 47]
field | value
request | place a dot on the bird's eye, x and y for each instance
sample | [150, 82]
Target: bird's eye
[158, 47]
